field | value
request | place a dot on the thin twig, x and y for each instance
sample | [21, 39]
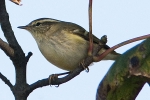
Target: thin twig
[90, 29]
[28, 56]
[6, 81]
[119, 45]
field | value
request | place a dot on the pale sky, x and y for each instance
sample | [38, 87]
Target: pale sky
[118, 19]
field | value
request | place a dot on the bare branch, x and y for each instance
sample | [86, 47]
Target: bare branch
[6, 81]
[19, 59]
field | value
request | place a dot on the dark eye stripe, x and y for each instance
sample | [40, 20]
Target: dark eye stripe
[38, 24]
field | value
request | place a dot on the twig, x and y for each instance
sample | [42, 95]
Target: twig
[6, 81]
[28, 56]
[119, 45]
[90, 29]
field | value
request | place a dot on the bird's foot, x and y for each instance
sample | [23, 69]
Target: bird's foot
[55, 76]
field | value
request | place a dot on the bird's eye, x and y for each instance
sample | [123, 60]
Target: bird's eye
[38, 24]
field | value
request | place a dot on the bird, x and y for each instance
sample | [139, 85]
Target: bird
[64, 44]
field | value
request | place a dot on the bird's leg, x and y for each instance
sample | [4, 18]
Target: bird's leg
[83, 65]
[55, 76]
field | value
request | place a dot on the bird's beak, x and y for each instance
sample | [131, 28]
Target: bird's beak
[22, 27]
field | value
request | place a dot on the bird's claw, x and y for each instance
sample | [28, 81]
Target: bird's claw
[55, 76]
[52, 77]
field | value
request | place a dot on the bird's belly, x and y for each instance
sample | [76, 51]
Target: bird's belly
[66, 56]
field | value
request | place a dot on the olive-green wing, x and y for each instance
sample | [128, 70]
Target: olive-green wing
[78, 30]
